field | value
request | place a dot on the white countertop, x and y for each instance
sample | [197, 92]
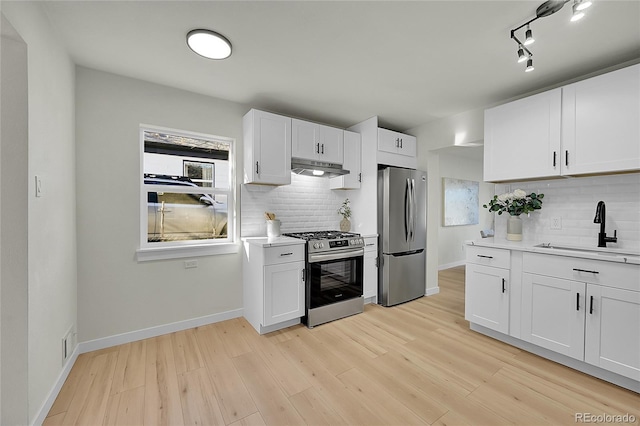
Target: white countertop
[273, 242]
[595, 253]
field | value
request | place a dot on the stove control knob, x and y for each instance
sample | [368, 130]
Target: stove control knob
[321, 245]
[361, 241]
[316, 245]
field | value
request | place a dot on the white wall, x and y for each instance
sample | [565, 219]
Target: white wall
[438, 139]
[13, 228]
[451, 238]
[306, 205]
[51, 236]
[115, 293]
[574, 200]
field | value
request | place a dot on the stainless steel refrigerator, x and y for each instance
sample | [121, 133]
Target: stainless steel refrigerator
[402, 227]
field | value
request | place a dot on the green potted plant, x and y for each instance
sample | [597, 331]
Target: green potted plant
[345, 211]
[515, 203]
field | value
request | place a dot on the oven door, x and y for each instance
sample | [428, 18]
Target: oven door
[334, 277]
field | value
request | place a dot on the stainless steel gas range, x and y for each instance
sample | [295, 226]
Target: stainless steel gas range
[334, 275]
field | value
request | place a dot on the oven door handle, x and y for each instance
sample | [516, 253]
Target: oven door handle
[314, 258]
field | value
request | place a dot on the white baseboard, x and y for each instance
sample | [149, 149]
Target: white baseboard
[146, 333]
[432, 290]
[53, 394]
[451, 265]
[119, 339]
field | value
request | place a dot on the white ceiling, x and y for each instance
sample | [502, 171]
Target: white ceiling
[342, 62]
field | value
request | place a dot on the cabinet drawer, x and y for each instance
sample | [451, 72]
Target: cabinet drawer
[499, 258]
[610, 274]
[284, 254]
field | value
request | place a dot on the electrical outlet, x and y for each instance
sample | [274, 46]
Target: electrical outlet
[188, 264]
[556, 222]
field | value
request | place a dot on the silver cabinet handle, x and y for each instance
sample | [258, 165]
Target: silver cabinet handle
[257, 168]
[359, 177]
[486, 257]
[286, 254]
[322, 149]
[503, 286]
[303, 275]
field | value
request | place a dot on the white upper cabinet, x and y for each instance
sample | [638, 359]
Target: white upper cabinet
[313, 141]
[397, 143]
[352, 162]
[600, 130]
[522, 138]
[588, 127]
[267, 148]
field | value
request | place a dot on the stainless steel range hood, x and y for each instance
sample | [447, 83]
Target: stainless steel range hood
[306, 167]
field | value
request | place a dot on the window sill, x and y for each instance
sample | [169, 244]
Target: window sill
[164, 253]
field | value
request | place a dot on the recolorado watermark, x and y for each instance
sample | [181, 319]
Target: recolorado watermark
[604, 418]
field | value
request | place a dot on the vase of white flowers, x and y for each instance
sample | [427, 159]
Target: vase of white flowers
[515, 203]
[345, 211]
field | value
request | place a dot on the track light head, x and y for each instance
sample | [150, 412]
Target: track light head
[528, 36]
[577, 13]
[583, 4]
[529, 65]
[521, 55]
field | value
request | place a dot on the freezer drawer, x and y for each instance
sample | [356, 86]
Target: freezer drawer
[402, 278]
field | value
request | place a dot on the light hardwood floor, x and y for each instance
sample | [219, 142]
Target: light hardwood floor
[417, 363]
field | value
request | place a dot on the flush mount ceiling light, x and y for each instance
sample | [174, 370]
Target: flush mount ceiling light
[545, 9]
[209, 44]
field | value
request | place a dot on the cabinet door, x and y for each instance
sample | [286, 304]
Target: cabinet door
[267, 148]
[305, 139]
[370, 286]
[352, 162]
[487, 297]
[522, 138]
[408, 145]
[388, 141]
[600, 131]
[331, 145]
[283, 292]
[553, 311]
[613, 330]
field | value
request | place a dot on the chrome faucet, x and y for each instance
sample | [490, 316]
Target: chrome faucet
[601, 217]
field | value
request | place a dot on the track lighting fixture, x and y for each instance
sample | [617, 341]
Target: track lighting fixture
[582, 4]
[577, 12]
[528, 36]
[545, 9]
[521, 55]
[529, 67]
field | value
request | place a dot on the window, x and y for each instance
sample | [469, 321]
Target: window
[187, 192]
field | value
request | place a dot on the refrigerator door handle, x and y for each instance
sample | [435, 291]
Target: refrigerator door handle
[407, 209]
[413, 209]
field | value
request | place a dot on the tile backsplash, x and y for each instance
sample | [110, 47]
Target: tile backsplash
[574, 201]
[308, 204]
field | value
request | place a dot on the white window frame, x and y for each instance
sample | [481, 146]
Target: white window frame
[180, 249]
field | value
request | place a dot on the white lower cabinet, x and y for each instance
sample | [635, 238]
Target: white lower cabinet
[370, 280]
[273, 285]
[283, 292]
[487, 287]
[586, 309]
[612, 338]
[486, 297]
[553, 314]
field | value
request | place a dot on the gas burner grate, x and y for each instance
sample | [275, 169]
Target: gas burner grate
[321, 235]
